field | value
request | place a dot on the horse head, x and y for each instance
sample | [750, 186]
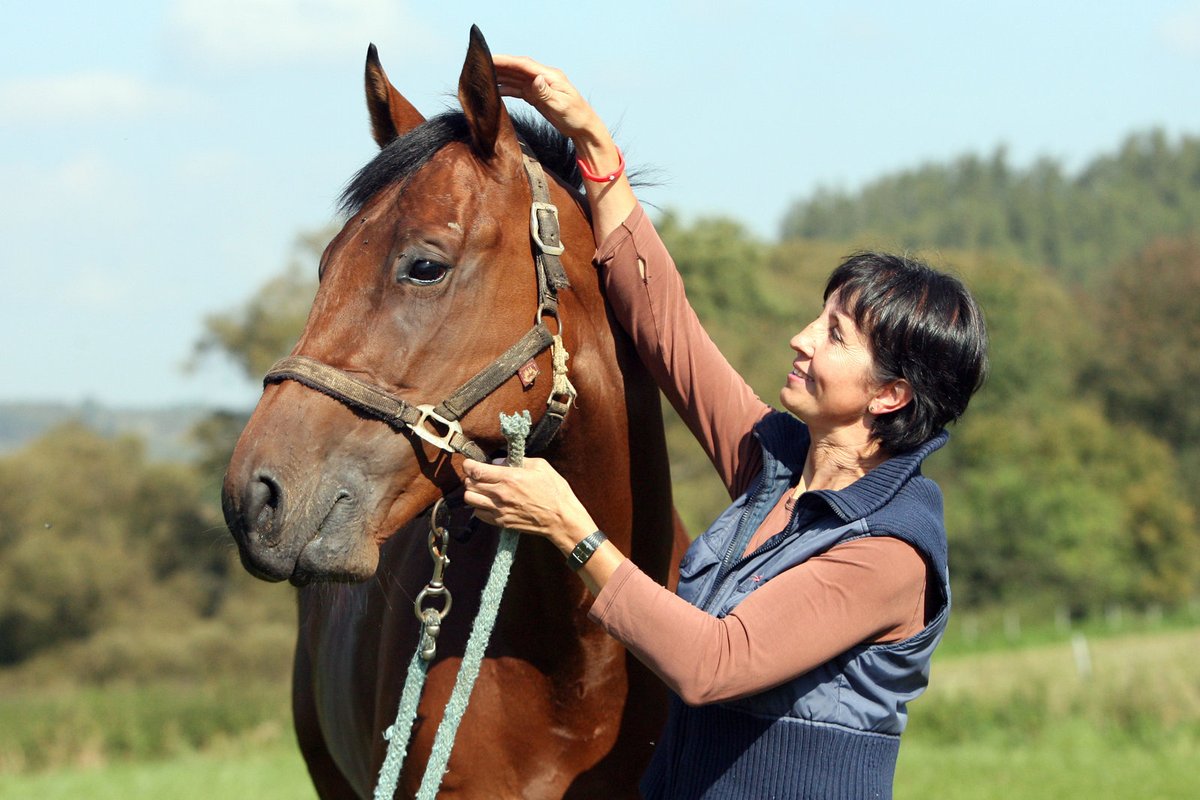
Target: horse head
[433, 277]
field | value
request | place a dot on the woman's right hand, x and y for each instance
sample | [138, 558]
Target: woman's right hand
[548, 90]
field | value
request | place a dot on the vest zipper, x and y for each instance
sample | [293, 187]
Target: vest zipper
[726, 566]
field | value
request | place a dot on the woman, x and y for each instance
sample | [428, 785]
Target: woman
[807, 614]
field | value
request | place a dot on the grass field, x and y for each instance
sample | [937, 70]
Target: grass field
[1019, 723]
[1071, 763]
[1078, 765]
[276, 773]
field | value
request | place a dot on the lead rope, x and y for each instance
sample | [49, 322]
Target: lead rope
[515, 428]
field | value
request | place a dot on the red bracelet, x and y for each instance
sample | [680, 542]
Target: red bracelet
[610, 177]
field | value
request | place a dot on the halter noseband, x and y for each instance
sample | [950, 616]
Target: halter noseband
[439, 424]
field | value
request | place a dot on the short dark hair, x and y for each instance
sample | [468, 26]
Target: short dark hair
[923, 326]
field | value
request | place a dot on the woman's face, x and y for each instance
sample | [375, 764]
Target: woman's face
[832, 381]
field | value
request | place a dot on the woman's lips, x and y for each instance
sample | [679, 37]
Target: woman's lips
[799, 374]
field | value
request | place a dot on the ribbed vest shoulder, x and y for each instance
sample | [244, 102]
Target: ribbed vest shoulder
[915, 515]
[784, 438]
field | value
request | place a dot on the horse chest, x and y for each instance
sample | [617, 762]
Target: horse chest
[343, 694]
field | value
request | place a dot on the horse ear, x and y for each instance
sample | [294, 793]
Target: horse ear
[492, 131]
[391, 114]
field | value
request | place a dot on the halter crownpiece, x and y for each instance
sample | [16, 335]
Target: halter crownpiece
[439, 424]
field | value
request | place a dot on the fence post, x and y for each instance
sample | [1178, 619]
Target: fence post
[1083, 656]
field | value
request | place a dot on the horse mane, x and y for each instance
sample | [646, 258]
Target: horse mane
[406, 154]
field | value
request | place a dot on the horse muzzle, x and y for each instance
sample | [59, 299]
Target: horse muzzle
[300, 533]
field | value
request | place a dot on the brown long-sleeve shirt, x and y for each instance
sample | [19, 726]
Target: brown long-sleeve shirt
[866, 590]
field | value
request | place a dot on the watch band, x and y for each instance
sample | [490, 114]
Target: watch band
[585, 549]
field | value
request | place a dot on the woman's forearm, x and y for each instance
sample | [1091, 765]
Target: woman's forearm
[866, 590]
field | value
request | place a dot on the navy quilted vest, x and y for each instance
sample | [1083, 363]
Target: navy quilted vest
[833, 732]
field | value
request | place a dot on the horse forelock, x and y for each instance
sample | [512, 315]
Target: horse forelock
[408, 153]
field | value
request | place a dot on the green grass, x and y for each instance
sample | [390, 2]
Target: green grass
[1072, 762]
[1024, 723]
[65, 726]
[275, 773]
[1007, 629]
[1029, 723]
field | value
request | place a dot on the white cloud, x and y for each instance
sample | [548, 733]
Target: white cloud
[85, 186]
[859, 28]
[1181, 31]
[68, 225]
[239, 33]
[88, 176]
[92, 287]
[83, 97]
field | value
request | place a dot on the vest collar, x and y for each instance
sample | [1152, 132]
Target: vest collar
[785, 442]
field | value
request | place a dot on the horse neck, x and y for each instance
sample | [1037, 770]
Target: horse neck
[614, 450]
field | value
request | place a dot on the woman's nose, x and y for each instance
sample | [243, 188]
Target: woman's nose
[802, 341]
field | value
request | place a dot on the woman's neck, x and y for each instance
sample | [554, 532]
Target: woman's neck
[831, 464]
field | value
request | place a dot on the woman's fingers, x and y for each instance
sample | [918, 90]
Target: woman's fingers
[522, 497]
[518, 65]
[546, 89]
[493, 487]
[482, 473]
[533, 498]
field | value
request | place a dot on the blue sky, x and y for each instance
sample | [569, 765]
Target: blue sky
[157, 159]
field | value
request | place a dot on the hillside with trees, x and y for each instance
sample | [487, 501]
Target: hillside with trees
[1078, 226]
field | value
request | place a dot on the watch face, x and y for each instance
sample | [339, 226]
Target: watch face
[584, 550]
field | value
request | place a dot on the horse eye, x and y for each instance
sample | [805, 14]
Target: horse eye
[425, 272]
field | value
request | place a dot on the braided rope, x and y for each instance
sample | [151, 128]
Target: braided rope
[398, 734]
[515, 428]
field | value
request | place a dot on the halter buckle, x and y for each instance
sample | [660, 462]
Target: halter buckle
[440, 441]
[535, 228]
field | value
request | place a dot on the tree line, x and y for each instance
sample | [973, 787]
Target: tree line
[1073, 480]
[1077, 226]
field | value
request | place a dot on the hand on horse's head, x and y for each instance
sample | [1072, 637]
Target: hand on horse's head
[531, 499]
[547, 90]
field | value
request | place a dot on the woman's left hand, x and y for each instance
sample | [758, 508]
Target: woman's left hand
[533, 498]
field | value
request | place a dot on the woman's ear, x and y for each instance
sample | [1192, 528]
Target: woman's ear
[892, 397]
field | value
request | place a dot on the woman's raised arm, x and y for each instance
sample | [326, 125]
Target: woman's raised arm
[644, 288]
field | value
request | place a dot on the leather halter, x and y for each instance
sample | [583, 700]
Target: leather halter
[439, 424]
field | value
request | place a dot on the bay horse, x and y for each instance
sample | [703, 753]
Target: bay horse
[430, 280]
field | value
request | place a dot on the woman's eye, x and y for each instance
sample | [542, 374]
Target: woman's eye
[425, 272]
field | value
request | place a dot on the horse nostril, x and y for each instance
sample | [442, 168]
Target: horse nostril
[264, 497]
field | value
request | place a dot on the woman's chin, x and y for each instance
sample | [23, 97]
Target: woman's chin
[793, 398]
